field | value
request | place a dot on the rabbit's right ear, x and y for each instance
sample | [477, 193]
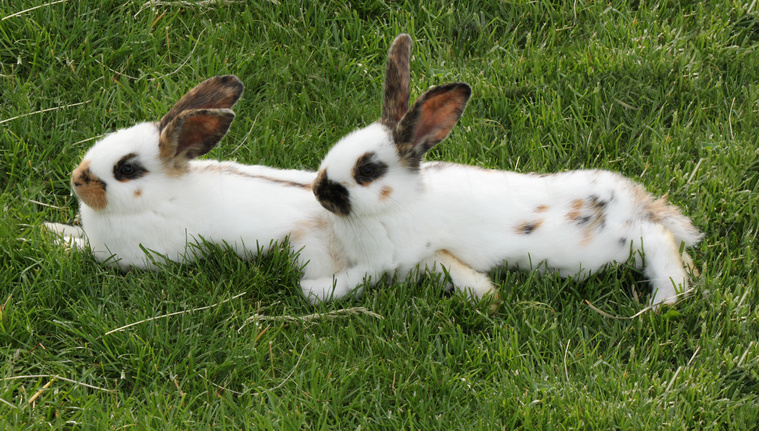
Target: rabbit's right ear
[397, 81]
[429, 121]
[198, 121]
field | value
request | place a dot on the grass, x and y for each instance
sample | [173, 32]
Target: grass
[663, 91]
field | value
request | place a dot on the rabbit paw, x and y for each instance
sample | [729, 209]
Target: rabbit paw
[318, 290]
[66, 235]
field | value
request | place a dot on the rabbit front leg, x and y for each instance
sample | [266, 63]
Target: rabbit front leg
[67, 235]
[474, 284]
[340, 284]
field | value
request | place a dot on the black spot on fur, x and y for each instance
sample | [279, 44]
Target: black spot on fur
[331, 195]
[529, 228]
[128, 168]
[583, 220]
[596, 202]
[622, 242]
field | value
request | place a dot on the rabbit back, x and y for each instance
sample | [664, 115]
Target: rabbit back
[573, 223]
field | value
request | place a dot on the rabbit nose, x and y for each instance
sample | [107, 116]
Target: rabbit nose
[333, 196]
[83, 176]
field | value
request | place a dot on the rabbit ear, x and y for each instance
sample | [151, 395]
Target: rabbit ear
[397, 81]
[191, 134]
[219, 92]
[430, 120]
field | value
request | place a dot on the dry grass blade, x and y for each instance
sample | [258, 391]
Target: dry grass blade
[649, 308]
[172, 314]
[55, 377]
[40, 391]
[32, 8]
[43, 110]
[311, 317]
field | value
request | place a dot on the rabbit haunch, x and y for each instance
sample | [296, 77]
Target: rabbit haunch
[391, 212]
[573, 223]
[141, 188]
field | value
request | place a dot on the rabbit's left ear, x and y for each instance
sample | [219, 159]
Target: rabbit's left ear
[397, 81]
[198, 121]
[219, 92]
[191, 134]
[430, 120]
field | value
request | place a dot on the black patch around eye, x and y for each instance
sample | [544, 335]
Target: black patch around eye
[128, 168]
[367, 169]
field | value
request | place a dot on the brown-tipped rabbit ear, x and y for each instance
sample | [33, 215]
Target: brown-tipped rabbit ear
[219, 92]
[191, 134]
[430, 120]
[397, 81]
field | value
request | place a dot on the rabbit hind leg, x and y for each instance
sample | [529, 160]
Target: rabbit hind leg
[663, 264]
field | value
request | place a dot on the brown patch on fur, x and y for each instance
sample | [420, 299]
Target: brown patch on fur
[385, 193]
[660, 211]
[575, 207]
[233, 170]
[654, 210]
[589, 214]
[528, 227]
[307, 226]
[397, 81]
[439, 166]
[541, 208]
[89, 188]
[138, 193]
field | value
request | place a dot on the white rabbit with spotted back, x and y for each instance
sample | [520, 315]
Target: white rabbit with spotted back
[390, 211]
[140, 190]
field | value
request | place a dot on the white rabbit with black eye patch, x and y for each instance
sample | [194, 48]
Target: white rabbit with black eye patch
[391, 212]
[141, 189]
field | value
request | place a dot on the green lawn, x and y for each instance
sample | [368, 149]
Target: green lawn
[666, 92]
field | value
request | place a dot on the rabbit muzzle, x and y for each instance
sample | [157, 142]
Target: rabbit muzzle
[88, 187]
[333, 196]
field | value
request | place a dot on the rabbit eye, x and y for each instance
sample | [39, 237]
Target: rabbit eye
[368, 171]
[128, 169]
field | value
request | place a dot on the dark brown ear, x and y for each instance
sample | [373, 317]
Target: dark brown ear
[430, 120]
[193, 133]
[397, 81]
[219, 92]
